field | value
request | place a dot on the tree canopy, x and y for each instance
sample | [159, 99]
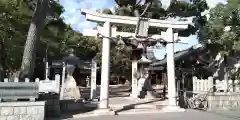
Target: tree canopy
[223, 29]
[223, 26]
[120, 59]
[15, 18]
[57, 36]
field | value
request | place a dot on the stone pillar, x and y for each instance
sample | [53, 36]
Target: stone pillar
[165, 83]
[170, 68]
[93, 79]
[46, 70]
[63, 81]
[104, 94]
[88, 81]
[134, 79]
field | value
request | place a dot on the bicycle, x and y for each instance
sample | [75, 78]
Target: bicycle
[198, 101]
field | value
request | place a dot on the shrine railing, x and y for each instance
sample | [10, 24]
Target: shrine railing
[18, 90]
[15, 89]
[203, 85]
[218, 95]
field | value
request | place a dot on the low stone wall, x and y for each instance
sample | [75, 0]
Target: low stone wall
[71, 105]
[52, 104]
[22, 110]
[223, 101]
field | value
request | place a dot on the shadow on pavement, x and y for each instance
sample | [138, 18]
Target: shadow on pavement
[232, 113]
[132, 106]
[69, 108]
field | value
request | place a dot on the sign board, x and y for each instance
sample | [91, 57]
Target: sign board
[46, 86]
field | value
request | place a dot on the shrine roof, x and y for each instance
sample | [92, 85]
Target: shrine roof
[177, 56]
[85, 62]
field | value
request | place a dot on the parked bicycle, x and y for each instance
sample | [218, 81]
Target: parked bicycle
[197, 100]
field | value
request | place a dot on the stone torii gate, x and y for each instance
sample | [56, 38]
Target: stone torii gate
[109, 20]
[115, 33]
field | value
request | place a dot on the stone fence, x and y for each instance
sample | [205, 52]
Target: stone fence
[204, 85]
[22, 110]
[19, 90]
[34, 100]
[18, 100]
[224, 97]
[39, 86]
[223, 101]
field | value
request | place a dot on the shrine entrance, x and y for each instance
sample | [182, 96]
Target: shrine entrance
[141, 39]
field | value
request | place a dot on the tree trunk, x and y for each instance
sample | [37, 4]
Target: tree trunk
[226, 72]
[2, 60]
[33, 37]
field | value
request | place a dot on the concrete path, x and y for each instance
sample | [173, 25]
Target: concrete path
[114, 90]
[189, 115]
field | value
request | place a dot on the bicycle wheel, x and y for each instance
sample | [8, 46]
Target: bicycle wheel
[190, 103]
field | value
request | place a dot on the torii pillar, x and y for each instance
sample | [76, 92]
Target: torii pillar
[114, 19]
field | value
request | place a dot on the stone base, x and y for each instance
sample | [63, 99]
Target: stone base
[223, 101]
[22, 110]
[52, 104]
[104, 112]
[150, 95]
[173, 109]
[71, 105]
[134, 96]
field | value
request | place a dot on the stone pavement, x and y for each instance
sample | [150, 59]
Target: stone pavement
[189, 115]
[128, 103]
[235, 114]
[114, 90]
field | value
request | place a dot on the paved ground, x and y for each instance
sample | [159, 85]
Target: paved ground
[189, 115]
[120, 90]
[114, 91]
[229, 113]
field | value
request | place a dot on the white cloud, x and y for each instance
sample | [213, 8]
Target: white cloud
[213, 3]
[72, 13]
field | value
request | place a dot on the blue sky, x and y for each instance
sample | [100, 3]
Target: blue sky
[73, 17]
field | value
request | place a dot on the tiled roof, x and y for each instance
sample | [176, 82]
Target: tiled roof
[178, 55]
